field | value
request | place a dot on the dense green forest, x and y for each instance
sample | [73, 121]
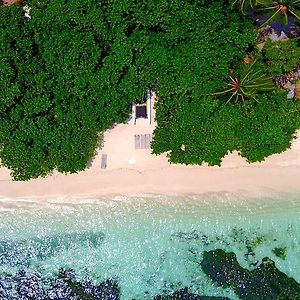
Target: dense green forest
[75, 68]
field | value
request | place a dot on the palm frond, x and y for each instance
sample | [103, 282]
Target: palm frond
[249, 82]
[270, 19]
[295, 12]
[282, 10]
[248, 72]
[243, 5]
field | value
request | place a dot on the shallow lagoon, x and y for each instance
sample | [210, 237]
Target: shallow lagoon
[149, 245]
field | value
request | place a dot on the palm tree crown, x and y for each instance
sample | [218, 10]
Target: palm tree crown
[281, 9]
[247, 83]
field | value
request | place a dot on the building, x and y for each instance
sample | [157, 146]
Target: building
[142, 108]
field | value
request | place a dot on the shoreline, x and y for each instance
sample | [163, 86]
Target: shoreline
[132, 171]
[252, 181]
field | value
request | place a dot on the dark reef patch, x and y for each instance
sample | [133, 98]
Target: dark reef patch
[63, 286]
[264, 282]
[280, 252]
[184, 294]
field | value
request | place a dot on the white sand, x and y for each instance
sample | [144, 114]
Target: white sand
[11, 2]
[133, 172]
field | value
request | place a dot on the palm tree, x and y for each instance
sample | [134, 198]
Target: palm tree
[281, 9]
[244, 5]
[250, 81]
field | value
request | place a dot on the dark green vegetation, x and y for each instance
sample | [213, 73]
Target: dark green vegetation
[247, 82]
[76, 67]
[184, 294]
[280, 252]
[209, 129]
[264, 282]
[243, 5]
[59, 85]
[282, 56]
[280, 10]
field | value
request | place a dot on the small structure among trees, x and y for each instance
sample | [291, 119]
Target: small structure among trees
[142, 108]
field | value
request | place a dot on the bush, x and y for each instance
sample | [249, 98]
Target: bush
[76, 67]
[63, 80]
[282, 56]
[209, 129]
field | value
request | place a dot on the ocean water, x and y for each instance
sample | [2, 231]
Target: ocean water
[148, 245]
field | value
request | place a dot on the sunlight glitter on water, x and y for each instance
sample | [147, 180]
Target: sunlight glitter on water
[151, 244]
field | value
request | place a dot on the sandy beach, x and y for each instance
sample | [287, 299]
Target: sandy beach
[132, 171]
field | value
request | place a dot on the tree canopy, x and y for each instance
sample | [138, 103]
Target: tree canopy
[74, 69]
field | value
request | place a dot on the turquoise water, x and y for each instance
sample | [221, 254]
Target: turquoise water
[152, 244]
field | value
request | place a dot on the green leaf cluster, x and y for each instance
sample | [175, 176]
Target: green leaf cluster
[279, 10]
[247, 82]
[272, 11]
[243, 5]
[282, 56]
[210, 130]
